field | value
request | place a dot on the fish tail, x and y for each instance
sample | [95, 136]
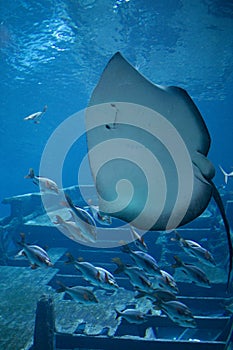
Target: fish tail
[225, 174]
[45, 109]
[59, 220]
[178, 262]
[120, 265]
[69, 200]
[125, 247]
[118, 314]
[178, 236]
[22, 242]
[30, 174]
[140, 294]
[62, 287]
[71, 259]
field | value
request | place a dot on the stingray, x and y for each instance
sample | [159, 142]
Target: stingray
[147, 149]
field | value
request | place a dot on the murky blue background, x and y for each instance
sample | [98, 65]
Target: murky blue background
[53, 52]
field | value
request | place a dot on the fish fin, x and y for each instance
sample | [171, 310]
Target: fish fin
[120, 264]
[62, 287]
[70, 257]
[178, 262]
[125, 248]
[178, 236]
[98, 276]
[69, 200]
[145, 282]
[140, 294]
[220, 205]
[106, 278]
[72, 217]
[85, 296]
[118, 314]
[34, 266]
[80, 259]
[30, 174]
[59, 220]
[45, 109]
[22, 235]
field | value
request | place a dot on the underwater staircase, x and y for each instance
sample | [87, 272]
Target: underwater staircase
[95, 327]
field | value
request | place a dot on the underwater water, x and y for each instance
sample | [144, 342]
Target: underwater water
[53, 53]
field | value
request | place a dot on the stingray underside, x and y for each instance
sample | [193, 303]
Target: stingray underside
[147, 148]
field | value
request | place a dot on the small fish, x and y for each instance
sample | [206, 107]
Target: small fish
[83, 220]
[101, 219]
[157, 295]
[97, 276]
[70, 229]
[132, 316]
[143, 260]
[80, 294]
[164, 282]
[138, 240]
[36, 117]
[136, 275]
[226, 175]
[195, 249]
[88, 271]
[46, 185]
[194, 274]
[36, 255]
[179, 313]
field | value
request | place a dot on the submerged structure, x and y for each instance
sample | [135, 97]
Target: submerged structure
[95, 327]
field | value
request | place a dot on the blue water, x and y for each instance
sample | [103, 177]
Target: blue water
[53, 52]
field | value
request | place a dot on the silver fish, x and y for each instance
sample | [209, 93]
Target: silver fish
[162, 282]
[83, 220]
[132, 316]
[195, 249]
[136, 275]
[70, 229]
[36, 255]
[194, 274]
[80, 294]
[179, 313]
[102, 219]
[156, 295]
[46, 185]
[97, 276]
[36, 117]
[143, 260]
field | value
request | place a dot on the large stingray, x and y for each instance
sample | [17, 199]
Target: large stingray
[148, 147]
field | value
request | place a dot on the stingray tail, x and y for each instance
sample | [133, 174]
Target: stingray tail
[220, 205]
